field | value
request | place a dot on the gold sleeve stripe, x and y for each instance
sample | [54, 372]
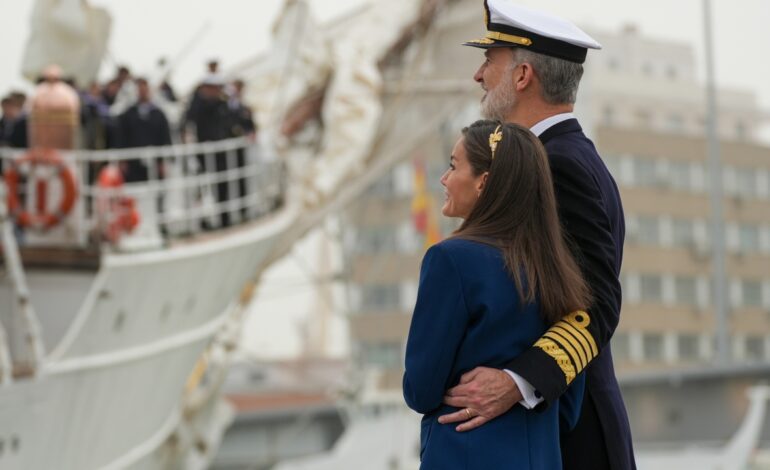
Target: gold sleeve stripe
[578, 336]
[557, 353]
[582, 336]
[581, 350]
[577, 360]
[580, 320]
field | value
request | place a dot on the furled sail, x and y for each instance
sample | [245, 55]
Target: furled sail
[336, 69]
[69, 33]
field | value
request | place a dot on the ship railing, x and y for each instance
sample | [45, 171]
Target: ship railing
[31, 326]
[168, 192]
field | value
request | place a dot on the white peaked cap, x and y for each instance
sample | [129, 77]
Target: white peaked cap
[511, 25]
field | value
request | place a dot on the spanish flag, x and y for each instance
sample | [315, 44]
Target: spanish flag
[423, 208]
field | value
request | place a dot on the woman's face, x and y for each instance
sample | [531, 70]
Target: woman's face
[462, 188]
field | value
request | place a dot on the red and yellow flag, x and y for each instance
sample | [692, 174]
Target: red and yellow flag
[424, 209]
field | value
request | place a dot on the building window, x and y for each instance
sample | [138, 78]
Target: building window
[652, 344]
[381, 297]
[644, 173]
[608, 116]
[385, 186]
[688, 347]
[740, 130]
[376, 240]
[643, 118]
[385, 355]
[649, 230]
[683, 232]
[621, 347]
[748, 238]
[699, 177]
[625, 286]
[680, 176]
[675, 123]
[763, 184]
[752, 293]
[755, 348]
[651, 288]
[685, 290]
[746, 182]
[612, 162]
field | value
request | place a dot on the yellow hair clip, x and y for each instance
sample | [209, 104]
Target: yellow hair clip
[494, 138]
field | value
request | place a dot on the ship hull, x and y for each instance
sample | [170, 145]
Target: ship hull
[110, 394]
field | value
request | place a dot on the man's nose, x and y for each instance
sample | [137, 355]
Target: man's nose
[479, 74]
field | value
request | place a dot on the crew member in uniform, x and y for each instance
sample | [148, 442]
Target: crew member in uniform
[142, 125]
[241, 125]
[532, 68]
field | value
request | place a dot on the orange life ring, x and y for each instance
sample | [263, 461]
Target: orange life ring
[119, 210]
[125, 221]
[42, 219]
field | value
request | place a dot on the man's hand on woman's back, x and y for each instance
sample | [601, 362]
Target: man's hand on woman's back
[485, 393]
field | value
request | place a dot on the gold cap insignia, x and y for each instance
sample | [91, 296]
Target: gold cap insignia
[482, 41]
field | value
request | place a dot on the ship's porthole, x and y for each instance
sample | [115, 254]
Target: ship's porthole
[120, 319]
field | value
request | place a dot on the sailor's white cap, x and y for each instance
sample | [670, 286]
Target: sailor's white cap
[511, 25]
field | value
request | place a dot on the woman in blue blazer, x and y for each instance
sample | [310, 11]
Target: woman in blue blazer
[486, 294]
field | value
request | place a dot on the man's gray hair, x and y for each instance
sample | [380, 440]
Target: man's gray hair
[559, 78]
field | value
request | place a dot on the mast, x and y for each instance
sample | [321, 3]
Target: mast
[716, 195]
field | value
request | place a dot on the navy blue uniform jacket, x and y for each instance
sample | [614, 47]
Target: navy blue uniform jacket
[592, 217]
[468, 314]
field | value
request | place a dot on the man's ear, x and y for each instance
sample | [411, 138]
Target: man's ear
[523, 76]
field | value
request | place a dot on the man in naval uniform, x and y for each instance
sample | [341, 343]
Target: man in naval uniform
[142, 125]
[530, 74]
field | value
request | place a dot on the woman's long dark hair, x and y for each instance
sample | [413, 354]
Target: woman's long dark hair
[516, 212]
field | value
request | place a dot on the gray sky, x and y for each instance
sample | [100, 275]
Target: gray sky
[143, 30]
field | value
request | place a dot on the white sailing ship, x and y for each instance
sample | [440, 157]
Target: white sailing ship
[113, 351]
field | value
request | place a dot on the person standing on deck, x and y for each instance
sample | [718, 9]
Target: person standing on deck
[142, 125]
[531, 72]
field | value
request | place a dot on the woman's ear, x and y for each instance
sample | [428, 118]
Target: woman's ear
[481, 182]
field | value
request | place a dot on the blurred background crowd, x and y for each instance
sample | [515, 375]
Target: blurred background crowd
[128, 111]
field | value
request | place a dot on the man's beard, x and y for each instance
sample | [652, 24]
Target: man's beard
[498, 103]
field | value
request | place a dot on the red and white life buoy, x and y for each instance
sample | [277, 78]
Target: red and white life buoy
[41, 218]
